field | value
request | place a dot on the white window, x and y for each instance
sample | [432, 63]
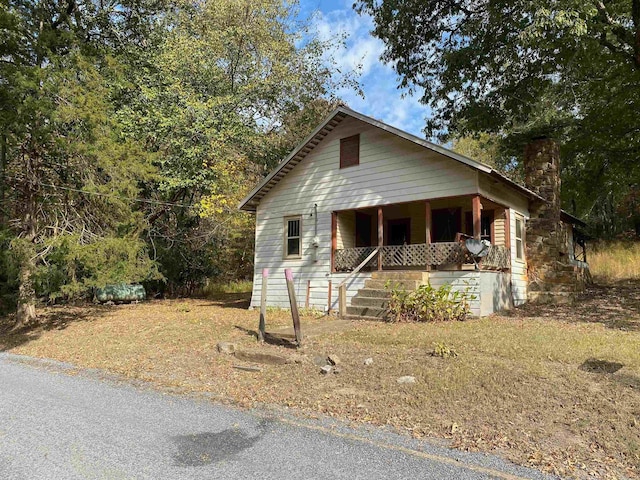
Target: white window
[293, 237]
[519, 237]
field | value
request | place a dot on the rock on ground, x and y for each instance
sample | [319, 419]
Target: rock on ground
[406, 379]
[227, 348]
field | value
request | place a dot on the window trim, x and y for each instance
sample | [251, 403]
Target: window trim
[521, 219]
[285, 232]
[345, 140]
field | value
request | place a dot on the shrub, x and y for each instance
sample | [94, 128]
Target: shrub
[443, 350]
[427, 304]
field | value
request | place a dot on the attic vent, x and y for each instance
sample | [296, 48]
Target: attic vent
[350, 151]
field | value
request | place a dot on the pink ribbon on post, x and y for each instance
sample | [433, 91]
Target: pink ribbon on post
[288, 274]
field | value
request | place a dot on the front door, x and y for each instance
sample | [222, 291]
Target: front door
[363, 230]
[399, 231]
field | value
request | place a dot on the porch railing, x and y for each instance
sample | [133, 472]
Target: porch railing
[421, 255]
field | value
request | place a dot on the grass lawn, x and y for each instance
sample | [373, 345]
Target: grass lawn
[557, 388]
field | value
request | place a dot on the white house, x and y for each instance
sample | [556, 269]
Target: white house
[357, 186]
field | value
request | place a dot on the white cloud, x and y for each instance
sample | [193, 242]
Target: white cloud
[360, 52]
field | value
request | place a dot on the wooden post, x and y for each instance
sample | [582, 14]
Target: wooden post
[288, 275]
[380, 236]
[476, 208]
[334, 240]
[427, 222]
[306, 302]
[329, 309]
[507, 227]
[263, 305]
[342, 300]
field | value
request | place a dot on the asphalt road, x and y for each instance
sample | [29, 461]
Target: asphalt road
[58, 426]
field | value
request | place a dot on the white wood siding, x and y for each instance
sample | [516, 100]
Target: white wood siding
[498, 228]
[518, 267]
[391, 170]
[346, 231]
[500, 193]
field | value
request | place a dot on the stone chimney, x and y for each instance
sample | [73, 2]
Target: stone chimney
[551, 276]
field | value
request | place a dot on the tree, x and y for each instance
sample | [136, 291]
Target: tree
[217, 122]
[66, 170]
[130, 130]
[520, 69]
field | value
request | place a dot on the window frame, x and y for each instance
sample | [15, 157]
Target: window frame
[521, 239]
[343, 142]
[286, 237]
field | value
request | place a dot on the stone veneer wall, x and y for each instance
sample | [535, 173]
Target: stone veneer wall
[551, 276]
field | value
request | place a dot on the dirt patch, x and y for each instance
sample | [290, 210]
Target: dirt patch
[616, 306]
[594, 365]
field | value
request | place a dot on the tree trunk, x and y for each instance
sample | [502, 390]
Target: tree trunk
[26, 313]
[3, 169]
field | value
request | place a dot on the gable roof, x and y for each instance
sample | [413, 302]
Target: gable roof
[252, 200]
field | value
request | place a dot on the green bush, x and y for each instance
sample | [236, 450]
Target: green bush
[427, 304]
[443, 350]
[8, 274]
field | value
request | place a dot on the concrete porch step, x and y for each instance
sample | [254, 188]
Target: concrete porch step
[400, 275]
[374, 292]
[364, 317]
[373, 312]
[358, 301]
[380, 284]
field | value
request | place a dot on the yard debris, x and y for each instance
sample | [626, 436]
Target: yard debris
[227, 348]
[406, 379]
[368, 361]
[248, 368]
[326, 369]
[333, 359]
[320, 361]
[258, 357]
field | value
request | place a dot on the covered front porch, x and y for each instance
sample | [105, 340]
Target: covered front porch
[422, 235]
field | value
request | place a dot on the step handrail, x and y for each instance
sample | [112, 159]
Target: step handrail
[342, 289]
[359, 267]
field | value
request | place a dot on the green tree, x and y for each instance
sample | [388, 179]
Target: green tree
[569, 69]
[217, 122]
[66, 168]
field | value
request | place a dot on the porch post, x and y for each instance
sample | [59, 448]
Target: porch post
[427, 222]
[507, 228]
[476, 208]
[334, 240]
[380, 236]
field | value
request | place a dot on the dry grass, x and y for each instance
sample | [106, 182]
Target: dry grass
[236, 286]
[533, 387]
[615, 261]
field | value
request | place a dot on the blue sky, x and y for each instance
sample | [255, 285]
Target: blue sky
[382, 99]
